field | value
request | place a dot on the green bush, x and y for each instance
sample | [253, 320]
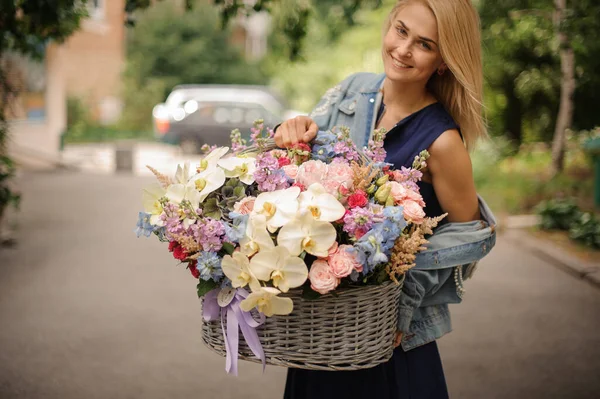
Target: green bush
[558, 214]
[586, 229]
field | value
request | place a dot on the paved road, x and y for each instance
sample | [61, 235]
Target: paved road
[88, 311]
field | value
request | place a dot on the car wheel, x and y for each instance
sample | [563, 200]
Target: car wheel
[189, 146]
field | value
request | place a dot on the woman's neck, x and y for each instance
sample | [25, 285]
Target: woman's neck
[405, 98]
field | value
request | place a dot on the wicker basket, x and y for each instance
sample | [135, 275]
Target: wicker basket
[351, 331]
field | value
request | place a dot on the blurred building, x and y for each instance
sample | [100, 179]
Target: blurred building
[87, 66]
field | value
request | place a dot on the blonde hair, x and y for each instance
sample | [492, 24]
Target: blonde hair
[460, 90]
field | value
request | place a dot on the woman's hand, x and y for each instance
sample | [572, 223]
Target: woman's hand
[397, 338]
[300, 129]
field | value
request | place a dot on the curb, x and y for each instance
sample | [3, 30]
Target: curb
[588, 271]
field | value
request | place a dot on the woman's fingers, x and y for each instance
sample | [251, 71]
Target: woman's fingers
[311, 133]
[300, 129]
[397, 338]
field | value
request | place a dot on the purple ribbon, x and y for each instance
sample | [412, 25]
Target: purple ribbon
[237, 320]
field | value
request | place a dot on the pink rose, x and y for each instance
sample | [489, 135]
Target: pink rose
[413, 212]
[290, 171]
[245, 206]
[412, 195]
[343, 262]
[398, 192]
[322, 280]
[311, 172]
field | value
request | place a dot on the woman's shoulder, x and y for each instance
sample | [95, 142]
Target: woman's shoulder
[438, 115]
[365, 82]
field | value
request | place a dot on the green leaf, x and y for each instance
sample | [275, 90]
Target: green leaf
[205, 286]
[228, 247]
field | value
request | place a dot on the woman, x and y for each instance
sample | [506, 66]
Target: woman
[430, 97]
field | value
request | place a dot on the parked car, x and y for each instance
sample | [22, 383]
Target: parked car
[193, 115]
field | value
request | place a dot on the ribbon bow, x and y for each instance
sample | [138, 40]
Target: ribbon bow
[228, 305]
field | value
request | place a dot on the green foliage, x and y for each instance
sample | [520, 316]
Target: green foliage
[558, 214]
[168, 47]
[7, 195]
[586, 229]
[522, 67]
[565, 215]
[514, 182]
[204, 287]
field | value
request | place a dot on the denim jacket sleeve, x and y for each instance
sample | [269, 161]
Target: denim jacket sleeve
[453, 245]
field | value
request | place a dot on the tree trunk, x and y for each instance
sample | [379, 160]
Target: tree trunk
[567, 88]
[513, 114]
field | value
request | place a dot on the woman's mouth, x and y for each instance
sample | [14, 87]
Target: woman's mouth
[399, 64]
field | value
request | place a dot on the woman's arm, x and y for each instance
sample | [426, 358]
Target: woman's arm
[452, 177]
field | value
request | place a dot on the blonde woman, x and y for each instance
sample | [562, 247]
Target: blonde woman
[430, 97]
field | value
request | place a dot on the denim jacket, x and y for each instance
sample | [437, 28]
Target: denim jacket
[453, 250]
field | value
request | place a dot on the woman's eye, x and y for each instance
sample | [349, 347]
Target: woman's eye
[402, 31]
[425, 45]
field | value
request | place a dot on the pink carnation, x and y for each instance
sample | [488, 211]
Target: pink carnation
[245, 206]
[343, 262]
[322, 279]
[311, 172]
[339, 179]
[413, 212]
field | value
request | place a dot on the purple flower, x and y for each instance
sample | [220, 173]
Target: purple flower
[358, 221]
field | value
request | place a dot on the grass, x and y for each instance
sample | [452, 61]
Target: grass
[515, 184]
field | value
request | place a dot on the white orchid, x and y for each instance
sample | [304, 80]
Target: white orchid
[208, 181]
[320, 204]
[242, 168]
[182, 175]
[257, 237]
[279, 207]
[307, 234]
[212, 159]
[278, 265]
[266, 300]
[236, 268]
[151, 201]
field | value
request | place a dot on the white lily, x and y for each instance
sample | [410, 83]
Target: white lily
[277, 264]
[307, 234]
[279, 207]
[242, 168]
[257, 237]
[236, 268]
[266, 300]
[212, 159]
[151, 201]
[320, 204]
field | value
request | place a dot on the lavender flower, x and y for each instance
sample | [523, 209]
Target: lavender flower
[209, 234]
[209, 266]
[358, 221]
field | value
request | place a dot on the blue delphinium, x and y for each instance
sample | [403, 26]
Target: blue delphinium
[369, 250]
[143, 225]
[237, 230]
[209, 266]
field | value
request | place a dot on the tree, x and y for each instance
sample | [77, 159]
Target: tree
[567, 88]
[168, 46]
[26, 27]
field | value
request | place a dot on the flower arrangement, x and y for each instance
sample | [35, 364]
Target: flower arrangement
[255, 222]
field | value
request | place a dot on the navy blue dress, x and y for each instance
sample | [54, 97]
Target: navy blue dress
[418, 373]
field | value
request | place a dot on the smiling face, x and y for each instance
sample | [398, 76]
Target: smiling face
[410, 48]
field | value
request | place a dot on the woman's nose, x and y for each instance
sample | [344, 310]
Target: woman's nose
[404, 48]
